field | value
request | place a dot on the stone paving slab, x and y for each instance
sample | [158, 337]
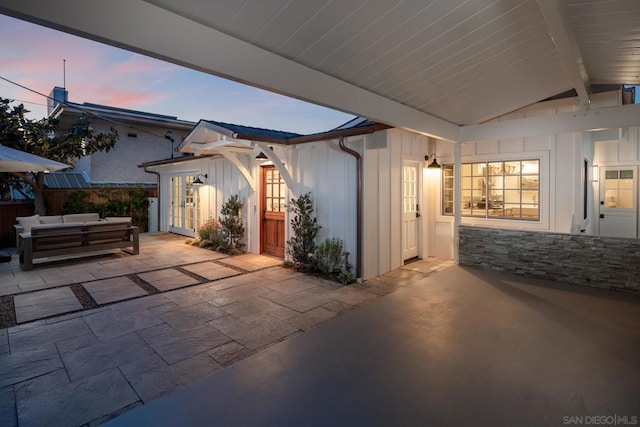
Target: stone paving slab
[76, 403]
[114, 323]
[35, 335]
[251, 262]
[88, 361]
[192, 316]
[211, 270]
[114, 289]
[18, 367]
[169, 279]
[230, 353]
[37, 305]
[311, 318]
[259, 331]
[8, 416]
[176, 345]
[44, 383]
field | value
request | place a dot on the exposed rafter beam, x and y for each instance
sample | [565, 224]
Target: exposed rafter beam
[599, 118]
[555, 16]
[142, 27]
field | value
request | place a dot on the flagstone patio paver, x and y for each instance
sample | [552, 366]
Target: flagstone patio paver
[251, 262]
[291, 285]
[114, 289]
[192, 316]
[35, 335]
[176, 345]
[211, 270]
[114, 323]
[37, 305]
[88, 361]
[229, 353]
[259, 331]
[8, 416]
[311, 318]
[18, 367]
[168, 279]
[41, 384]
[76, 403]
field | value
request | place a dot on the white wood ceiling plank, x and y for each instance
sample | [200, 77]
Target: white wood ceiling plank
[394, 31]
[370, 33]
[407, 39]
[431, 58]
[448, 23]
[253, 17]
[492, 60]
[291, 19]
[215, 14]
[312, 30]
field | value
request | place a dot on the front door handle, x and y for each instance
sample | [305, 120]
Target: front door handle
[417, 214]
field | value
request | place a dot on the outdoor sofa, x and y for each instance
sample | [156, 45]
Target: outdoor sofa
[74, 234]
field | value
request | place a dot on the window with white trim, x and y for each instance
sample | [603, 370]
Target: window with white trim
[497, 190]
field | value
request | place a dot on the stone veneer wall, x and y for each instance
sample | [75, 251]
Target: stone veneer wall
[603, 262]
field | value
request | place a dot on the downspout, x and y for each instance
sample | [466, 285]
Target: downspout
[157, 174]
[358, 203]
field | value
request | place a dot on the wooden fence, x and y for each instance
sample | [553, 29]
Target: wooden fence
[105, 201]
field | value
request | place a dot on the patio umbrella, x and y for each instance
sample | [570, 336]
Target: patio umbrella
[12, 160]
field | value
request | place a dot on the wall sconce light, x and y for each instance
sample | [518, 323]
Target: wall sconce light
[198, 181]
[595, 172]
[434, 164]
[262, 156]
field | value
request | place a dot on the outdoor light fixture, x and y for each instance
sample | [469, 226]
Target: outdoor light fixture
[594, 173]
[198, 181]
[434, 164]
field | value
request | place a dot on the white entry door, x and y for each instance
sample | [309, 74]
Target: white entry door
[618, 201]
[411, 177]
[183, 205]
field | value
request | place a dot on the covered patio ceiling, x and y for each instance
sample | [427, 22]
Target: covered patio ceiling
[429, 66]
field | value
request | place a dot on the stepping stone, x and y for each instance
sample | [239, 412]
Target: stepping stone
[41, 304]
[115, 289]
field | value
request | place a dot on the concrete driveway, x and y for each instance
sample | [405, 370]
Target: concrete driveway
[458, 348]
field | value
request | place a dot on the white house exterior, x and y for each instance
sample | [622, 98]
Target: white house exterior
[403, 214]
[142, 137]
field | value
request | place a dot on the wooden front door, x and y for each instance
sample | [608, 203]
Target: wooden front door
[274, 193]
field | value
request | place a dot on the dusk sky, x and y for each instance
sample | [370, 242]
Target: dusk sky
[33, 56]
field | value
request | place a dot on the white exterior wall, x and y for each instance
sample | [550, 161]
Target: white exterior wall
[224, 180]
[320, 168]
[323, 169]
[383, 156]
[561, 173]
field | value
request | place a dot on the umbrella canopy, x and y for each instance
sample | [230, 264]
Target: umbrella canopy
[19, 161]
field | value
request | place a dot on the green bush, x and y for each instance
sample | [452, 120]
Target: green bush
[210, 234]
[232, 229]
[305, 229]
[346, 277]
[328, 256]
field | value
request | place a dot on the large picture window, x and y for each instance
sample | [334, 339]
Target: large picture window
[505, 189]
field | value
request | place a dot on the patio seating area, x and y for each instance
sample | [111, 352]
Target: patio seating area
[98, 336]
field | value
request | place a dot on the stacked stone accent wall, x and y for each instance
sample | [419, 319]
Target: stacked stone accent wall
[603, 262]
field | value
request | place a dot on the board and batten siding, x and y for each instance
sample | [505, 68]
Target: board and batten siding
[329, 174]
[561, 173]
[383, 156]
[223, 180]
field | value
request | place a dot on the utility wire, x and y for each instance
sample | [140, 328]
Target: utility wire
[79, 107]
